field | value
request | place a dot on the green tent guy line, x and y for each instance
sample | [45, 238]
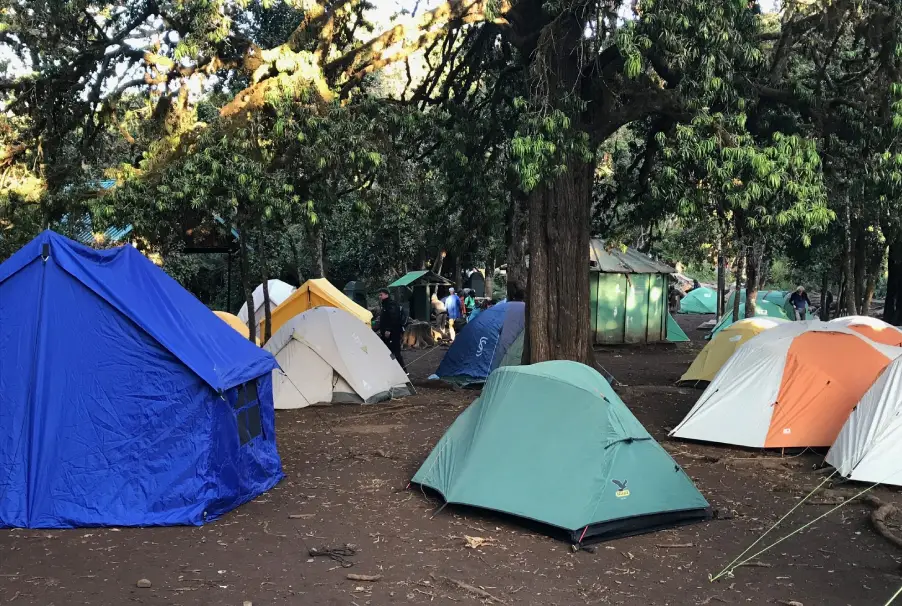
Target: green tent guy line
[553, 443]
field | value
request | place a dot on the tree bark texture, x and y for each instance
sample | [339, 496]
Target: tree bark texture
[264, 270]
[740, 261]
[848, 274]
[752, 268]
[860, 270]
[315, 241]
[875, 262]
[558, 300]
[825, 286]
[721, 279]
[246, 284]
[516, 247]
[892, 311]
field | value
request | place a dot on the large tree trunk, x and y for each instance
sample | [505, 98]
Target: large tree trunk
[558, 300]
[740, 261]
[825, 286]
[752, 267]
[848, 274]
[264, 269]
[517, 247]
[315, 241]
[458, 270]
[246, 282]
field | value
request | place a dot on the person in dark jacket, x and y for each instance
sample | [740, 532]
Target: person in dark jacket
[800, 302]
[391, 327]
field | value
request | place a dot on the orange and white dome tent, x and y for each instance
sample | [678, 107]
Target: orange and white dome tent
[873, 328]
[791, 386]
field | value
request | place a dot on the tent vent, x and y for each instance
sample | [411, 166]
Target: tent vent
[45, 251]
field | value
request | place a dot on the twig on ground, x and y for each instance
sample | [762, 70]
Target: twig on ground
[369, 578]
[482, 593]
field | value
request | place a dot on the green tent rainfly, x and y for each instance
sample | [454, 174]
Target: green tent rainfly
[553, 443]
[675, 334]
[701, 300]
[762, 308]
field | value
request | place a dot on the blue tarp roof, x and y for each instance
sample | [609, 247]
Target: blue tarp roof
[159, 305]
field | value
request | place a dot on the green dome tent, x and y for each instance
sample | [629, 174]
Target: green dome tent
[780, 298]
[702, 300]
[762, 308]
[553, 443]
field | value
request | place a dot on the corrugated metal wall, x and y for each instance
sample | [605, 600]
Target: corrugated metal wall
[627, 308]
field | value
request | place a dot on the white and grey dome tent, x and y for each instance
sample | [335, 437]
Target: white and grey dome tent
[278, 292]
[329, 356]
[869, 446]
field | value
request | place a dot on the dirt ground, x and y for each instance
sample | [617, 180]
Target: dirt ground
[347, 469]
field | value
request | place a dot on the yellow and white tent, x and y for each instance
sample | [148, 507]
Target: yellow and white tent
[722, 345]
[315, 293]
[236, 323]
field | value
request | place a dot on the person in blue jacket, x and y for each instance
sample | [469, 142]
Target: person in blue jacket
[455, 309]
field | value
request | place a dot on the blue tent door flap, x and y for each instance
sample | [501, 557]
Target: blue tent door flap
[126, 402]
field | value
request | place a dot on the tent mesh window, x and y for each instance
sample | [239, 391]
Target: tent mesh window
[247, 412]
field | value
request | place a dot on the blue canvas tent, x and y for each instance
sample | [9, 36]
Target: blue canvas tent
[123, 400]
[493, 339]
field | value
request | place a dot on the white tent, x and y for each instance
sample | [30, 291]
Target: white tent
[328, 355]
[869, 446]
[278, 292]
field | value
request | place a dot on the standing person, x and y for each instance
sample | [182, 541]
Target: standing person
[391, 328]
[674, 295]
[800, 302]
[441, 316]
[455, 309]
[469, 302]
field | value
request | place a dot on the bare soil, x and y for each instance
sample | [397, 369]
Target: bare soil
[347, 474]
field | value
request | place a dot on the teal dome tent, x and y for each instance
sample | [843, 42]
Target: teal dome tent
[701, 300]
[553, 443]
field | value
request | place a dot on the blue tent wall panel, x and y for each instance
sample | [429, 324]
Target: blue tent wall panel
[19, 298]
[104, 423]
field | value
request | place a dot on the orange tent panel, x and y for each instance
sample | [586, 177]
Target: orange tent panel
[888, 336]
[825, 376]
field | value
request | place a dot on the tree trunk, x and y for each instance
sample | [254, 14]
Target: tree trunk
[490, 277]
[557, 315]
[458, 270]
[516, 247]
[752, 265]
[264, 269]
[315, 241]
[875, 262]
[740, 260]
[296, 255]
[764, 264]
[721, 279]
[246, 283]
[848, 274]
[892, 311]
[825, 286]
[860, 271]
